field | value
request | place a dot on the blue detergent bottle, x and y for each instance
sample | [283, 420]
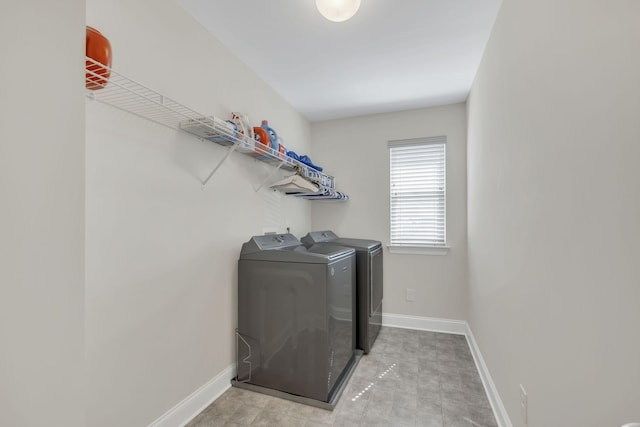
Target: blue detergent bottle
[273, 136]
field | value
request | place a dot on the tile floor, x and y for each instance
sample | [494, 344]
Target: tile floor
[410, 378]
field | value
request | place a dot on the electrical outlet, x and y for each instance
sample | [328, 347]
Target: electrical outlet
[411, 296]
[524, 404]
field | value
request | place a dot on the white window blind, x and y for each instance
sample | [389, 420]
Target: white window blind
[418, 190]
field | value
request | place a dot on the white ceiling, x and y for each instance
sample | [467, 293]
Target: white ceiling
[391, 56]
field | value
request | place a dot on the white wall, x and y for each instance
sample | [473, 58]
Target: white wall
[161, 252]
[355, 151]
[41, 213]
[554, 210]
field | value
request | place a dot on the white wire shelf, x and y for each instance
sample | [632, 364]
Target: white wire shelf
[112, 88]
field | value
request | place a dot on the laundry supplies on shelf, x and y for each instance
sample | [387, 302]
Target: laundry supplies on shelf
[236, 133]
[304, 159]
[242, 124]
[295, 184]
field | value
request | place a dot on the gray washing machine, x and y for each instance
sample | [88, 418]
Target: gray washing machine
[296, 329]
[368, 282]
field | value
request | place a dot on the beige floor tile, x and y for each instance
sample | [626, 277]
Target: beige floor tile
[410, 378]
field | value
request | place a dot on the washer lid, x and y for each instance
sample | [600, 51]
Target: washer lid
[286, 248]
[358, 244]
[332, 251]
[329, 236]
[318, 236]
[270, 241]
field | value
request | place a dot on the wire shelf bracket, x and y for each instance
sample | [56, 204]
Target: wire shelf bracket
[268, 178]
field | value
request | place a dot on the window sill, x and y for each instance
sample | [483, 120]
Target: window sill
[419, 250]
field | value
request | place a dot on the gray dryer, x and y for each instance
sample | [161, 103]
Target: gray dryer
[296, 324]
[368, 282]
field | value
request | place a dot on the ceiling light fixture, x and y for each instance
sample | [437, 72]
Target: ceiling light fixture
[338, 10]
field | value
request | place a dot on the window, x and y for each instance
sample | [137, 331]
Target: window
[418, 196]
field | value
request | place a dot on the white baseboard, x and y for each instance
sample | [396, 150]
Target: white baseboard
[195, 403]
[459, 327]
[499, 410]
[404, 321]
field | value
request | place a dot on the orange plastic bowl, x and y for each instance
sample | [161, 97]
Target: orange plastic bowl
[98, 48]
